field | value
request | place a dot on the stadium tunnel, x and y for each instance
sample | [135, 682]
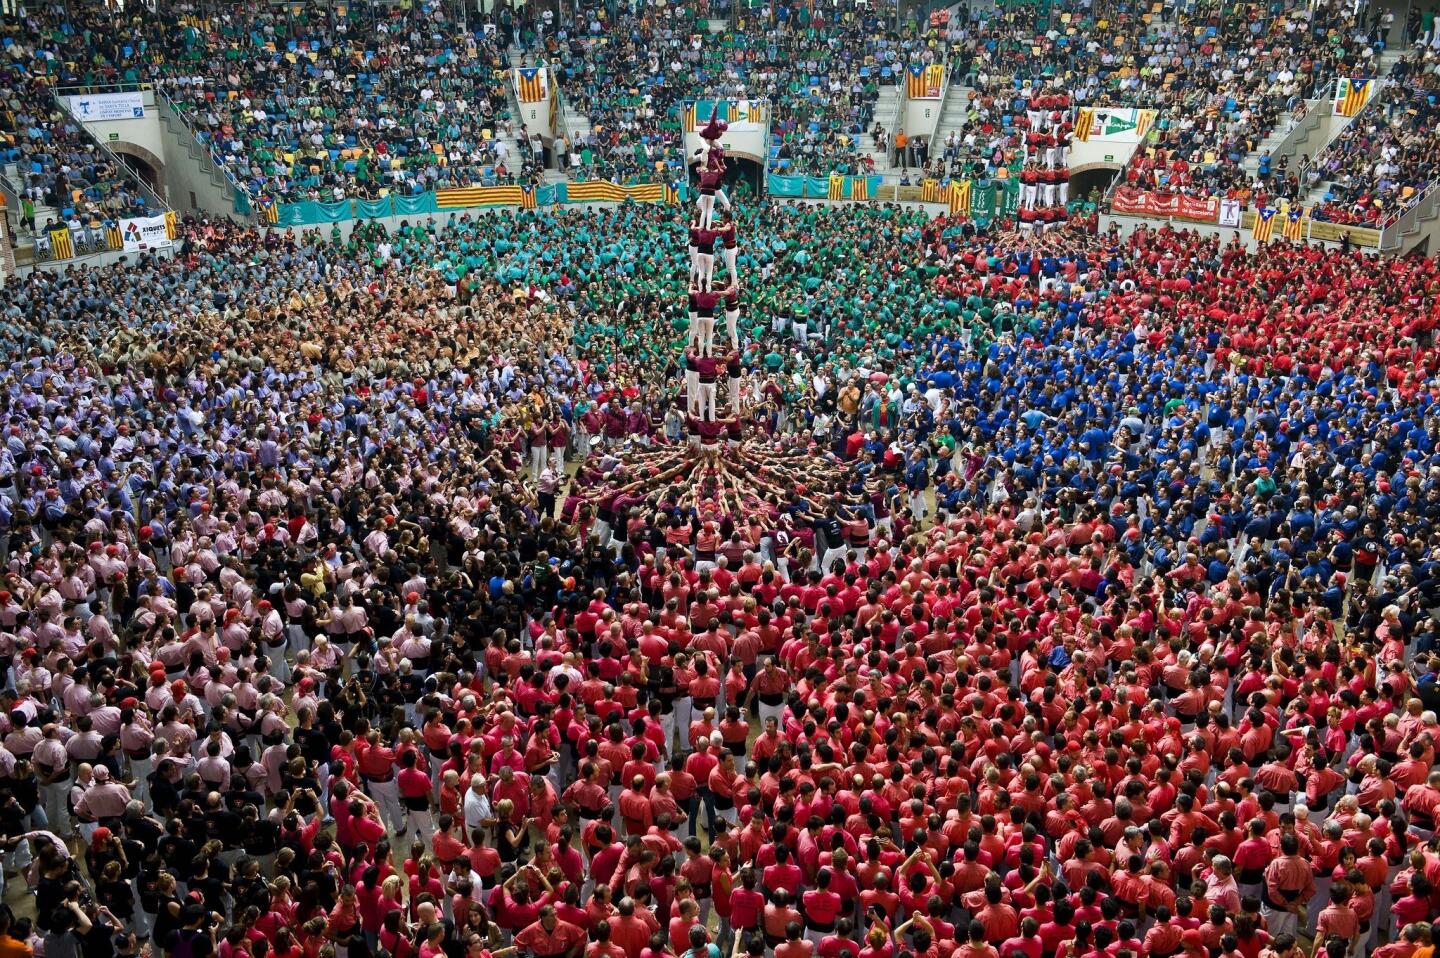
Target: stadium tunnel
[1092, 177]
[148, 167]
[740, 167]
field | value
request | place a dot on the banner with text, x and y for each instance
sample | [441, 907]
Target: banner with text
[1166, 205]
[1113, 124]
[141, 233]
[95, 107]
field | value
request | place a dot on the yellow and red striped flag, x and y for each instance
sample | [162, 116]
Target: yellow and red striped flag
[959, 197]
[61, 244]
[837, 186]
[929, 191]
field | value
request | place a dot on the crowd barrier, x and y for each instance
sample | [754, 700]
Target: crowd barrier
[312, 213]
[136, 234]
[1283, 220]
[981, 200]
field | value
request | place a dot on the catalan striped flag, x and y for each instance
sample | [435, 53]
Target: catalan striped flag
[172, 224]
[923, 80]
[672, 194]
[269, 209]
[1351, 95]
[959, 197]
[531, 84]
[1144, 120]
[113, 239]
[595, 191]
[479, 196]
[644, 192]
[860, 188]
[930, 191]
[61, 245]
[1264, 226]
[1294, 226]
[934, 79]
[837, 186]
[527, 197]
[690, 118]
[1084, 123]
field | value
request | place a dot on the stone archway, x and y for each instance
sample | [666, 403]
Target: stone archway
[1089, 177]
[144, 164]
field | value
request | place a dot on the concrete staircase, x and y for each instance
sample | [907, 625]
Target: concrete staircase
[1417, 229]
[7, 251]
[572, 121]
[1337, 123]
[1295, 142]
[888, 104]
[953, 116]
[217, 196]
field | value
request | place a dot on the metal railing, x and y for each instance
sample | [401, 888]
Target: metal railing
[1381, 83]
[151, 197]
[1395, 226]
[201, 145]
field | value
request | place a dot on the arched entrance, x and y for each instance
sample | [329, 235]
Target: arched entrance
[1092, 178]
[146, 166]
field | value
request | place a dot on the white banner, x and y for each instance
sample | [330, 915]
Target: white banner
[108, 106]
[1230, 213]
[144, 233]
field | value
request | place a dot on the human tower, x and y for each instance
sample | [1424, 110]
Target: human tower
[704, 363]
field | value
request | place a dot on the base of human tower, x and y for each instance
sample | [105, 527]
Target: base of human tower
[733, 480]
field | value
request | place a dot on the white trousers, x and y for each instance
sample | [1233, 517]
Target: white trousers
[387, 796]
[707, 401]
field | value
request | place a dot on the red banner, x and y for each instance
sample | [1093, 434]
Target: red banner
[1166, 205]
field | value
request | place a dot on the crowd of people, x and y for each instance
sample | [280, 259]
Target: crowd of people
[1221, 83]
[1115, 639]
[57, 164]
[818, 71]
[1388, 155]
[376, 99]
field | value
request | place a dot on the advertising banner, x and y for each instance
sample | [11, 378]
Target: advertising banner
[144, 233]
[108, 106]
[1166, 205]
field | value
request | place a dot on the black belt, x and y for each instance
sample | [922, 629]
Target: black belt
[819, 926]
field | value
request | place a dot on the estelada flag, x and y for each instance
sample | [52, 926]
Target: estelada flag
[1352, 95]
[915, 80]
[61, 245]
[1294, 228]
[837, 187]
[1264, 226]
[929, 191]
[531, 84]
[527, 197]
